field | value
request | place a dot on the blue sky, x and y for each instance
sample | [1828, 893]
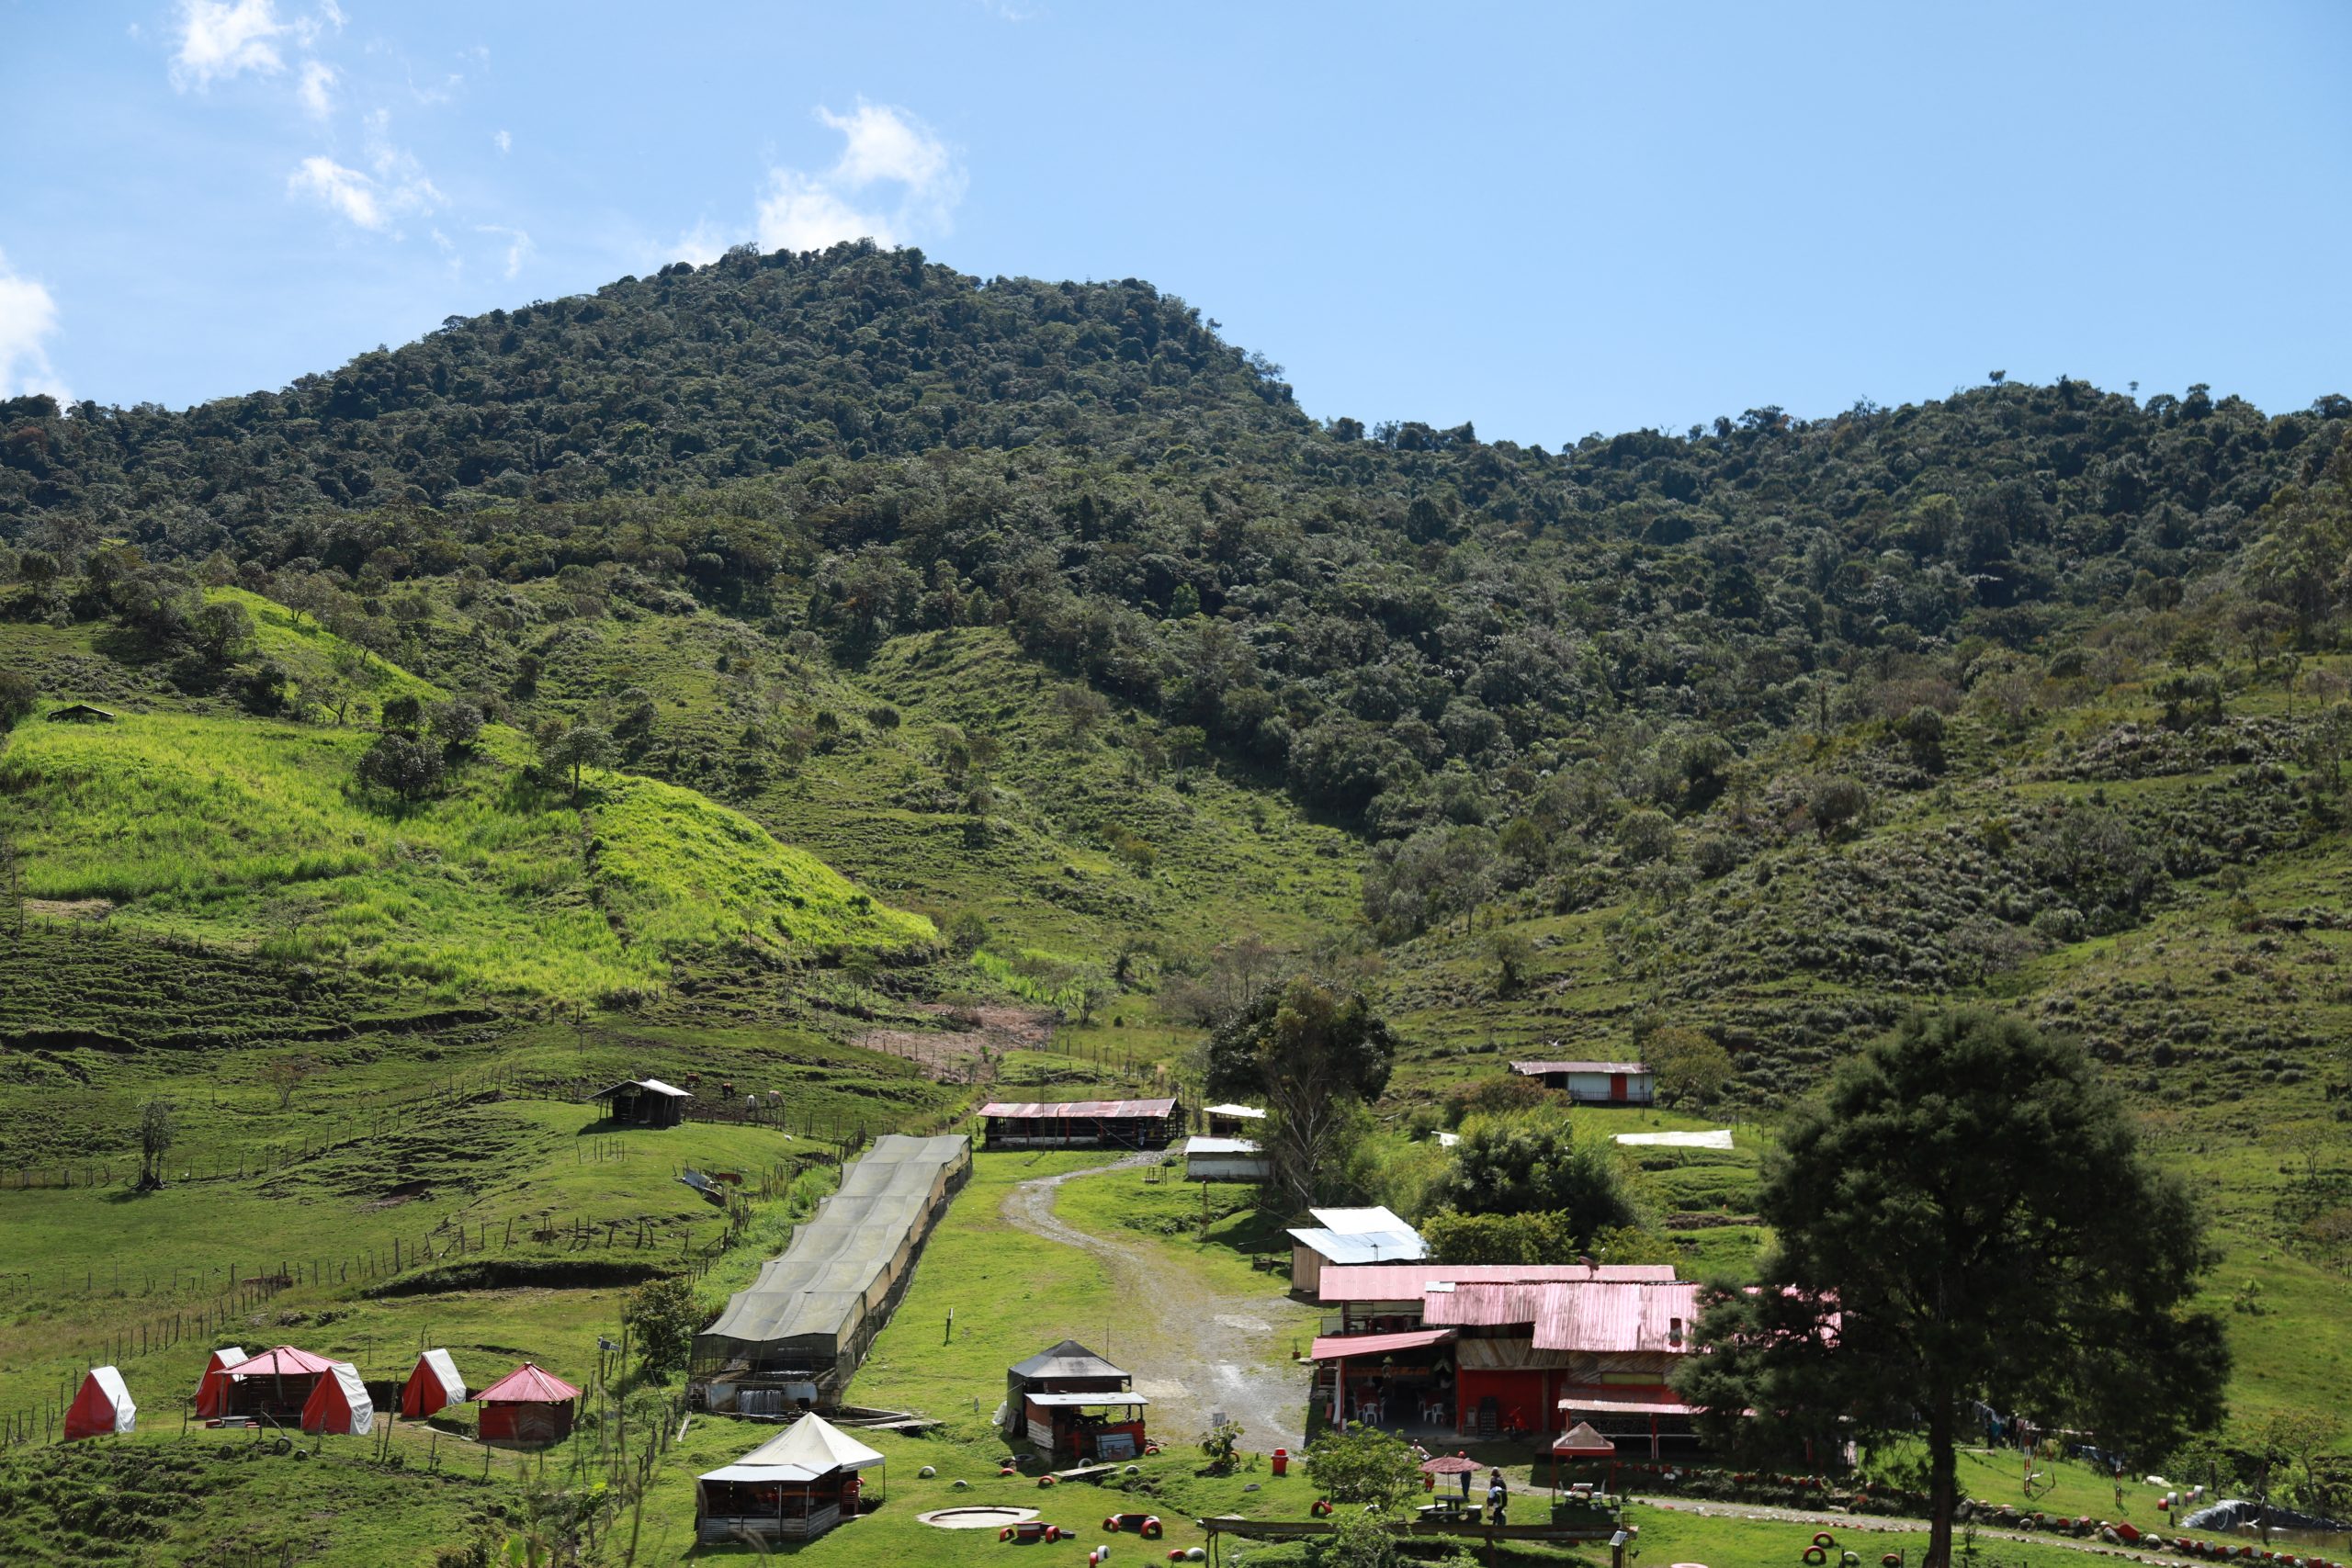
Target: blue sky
[1547, 219]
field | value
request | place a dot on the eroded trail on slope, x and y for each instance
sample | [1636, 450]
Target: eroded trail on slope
[1193, 1351]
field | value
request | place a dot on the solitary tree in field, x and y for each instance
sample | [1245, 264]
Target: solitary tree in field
[156, 1134]
[1964, 1215]
[1692, 1068]
[286, 1074]
[571, 747]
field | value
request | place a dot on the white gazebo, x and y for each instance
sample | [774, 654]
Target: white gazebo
[796, 1485]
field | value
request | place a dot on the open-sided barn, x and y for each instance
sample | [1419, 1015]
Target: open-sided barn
[791, 1339]
[1081, 1124]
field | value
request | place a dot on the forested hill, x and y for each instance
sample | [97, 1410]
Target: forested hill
[1408, 627]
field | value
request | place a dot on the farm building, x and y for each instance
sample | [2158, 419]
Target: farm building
[1343, 1236]
[1490, 1350]
[273, 1386]
[1233, 1120]
[212, 1388]
[1224, 1159]
[797, 1484]
[790, 1339]
[80, 713]
[433, 1383]
[339, 1405]
[528, 1406]
[647, 1102]
[1595, 1083]
[1082, 1124]
[1074, 1406]
[102, 1407]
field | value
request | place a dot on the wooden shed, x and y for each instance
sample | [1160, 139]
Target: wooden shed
[1074, 1406]
[645, 1102]
[433, 1383]
[526, 1407]
[102, 1408]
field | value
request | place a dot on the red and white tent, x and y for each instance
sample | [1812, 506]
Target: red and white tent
[433, 1383]
[212, 1387]
[102, 1407]
[527, 1406]
[339, 1405]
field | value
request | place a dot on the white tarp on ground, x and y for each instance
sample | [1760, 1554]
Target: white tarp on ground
[1718, 1139]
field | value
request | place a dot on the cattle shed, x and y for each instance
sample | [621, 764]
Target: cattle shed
[1225, 1159]
[528, 1406]
[339, 1405]
[212, 1388]
[796, 1485]
[1595, 1083]
[1082, 1124]
[101, 1409]
[645, 1102]
[791, 1339]
[433, 1383]
[1074, 1406]
[1346, 1236]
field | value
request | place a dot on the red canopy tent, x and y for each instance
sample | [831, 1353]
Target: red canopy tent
[527, 1406]
[102, 1408]
[340, 1404]
[277, 1384]
[212, 1388]
[433, 1383]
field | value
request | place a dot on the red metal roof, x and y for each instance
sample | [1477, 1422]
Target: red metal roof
[1332, 1347]
[1407, 1281]
[284, 1361]
[1106, 1110]
[1537, 1068]
[528, 1385]
[1577, 1315]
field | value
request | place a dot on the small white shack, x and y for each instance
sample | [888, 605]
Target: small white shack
[1595, 1083]
[1345, 1237]
[1225, 1159]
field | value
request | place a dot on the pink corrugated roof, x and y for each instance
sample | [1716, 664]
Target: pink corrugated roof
[1332, 1347]
[528, 1385]
[1112, 1109]
[284, 1361]
[1406, 1281]
[1577, 1314]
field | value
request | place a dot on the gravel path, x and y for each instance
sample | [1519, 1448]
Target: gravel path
[1220, 1348]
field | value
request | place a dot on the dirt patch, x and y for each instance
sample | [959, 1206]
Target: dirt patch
[955, 1052]
[71, 909]
[1218, 1340]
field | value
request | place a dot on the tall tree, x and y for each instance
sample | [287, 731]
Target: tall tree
[1315, 1051]
[1964, 1213]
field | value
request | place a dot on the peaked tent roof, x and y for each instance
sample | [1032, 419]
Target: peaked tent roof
[1067, 1360]
[528, 1385]
[1581, 1438]
[812, 1443]
[445, 1372]
[285, 1361]
[340, 1405]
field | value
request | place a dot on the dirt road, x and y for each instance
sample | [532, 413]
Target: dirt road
[1223, 1351]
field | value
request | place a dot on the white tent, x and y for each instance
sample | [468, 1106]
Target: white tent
[102, 1407]
[814, 1444]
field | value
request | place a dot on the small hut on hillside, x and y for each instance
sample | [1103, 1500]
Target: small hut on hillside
[433, 1383]
[340, 1405]
[273, 1386]
[1595, 1083]
[1082, 1124]
[102, 1407]
[212, 1388]
[1074, 1406]
[799, 1483]
[526, 1406]
[647, 1102]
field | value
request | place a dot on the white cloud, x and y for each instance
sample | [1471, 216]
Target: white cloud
[883, 146]
[226, 38]
[346, 191]
[27, 319]
[702, 244]
[518, 245]
[316, 91]
[505, 142]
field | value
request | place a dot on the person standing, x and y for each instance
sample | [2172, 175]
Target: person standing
[1497, 1500]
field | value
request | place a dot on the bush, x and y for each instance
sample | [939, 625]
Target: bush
[1365, 1465]
[661, 1317]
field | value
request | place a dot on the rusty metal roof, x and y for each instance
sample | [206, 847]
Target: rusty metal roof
[1407, 1281]
[1332, 1347]
[1105, 1109]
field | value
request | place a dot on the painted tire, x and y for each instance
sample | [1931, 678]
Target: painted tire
[1152, 1529]
[1321, 1508]
[1005, 1534]
[1892, 1559]
[1825, 1540]
[1150, 1449]
[1045, 1481]
[1815, 1557]
[1111, 1525]
[1849, 1560]
[1053, 1532]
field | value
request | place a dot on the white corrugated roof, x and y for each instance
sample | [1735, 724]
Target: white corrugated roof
[1251, 1112]
[1360, 1221]
[1220, 1147]
[1371, 1246]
